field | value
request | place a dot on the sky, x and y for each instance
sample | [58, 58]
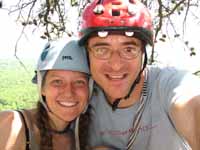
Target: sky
[29, 46]
[169, 53]
[9, 33]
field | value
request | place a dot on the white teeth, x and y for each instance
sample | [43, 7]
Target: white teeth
[68, 104]
[115, 76]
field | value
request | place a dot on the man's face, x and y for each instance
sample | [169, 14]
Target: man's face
[114, 74]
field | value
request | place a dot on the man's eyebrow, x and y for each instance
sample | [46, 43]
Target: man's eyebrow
[130, 43]
[100, 44]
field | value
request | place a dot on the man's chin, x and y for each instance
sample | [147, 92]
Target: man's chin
[112, 99]
[113, 93]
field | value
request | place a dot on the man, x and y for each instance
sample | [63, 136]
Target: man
[135, 106]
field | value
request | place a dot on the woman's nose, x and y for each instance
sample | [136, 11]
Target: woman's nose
[68, 90]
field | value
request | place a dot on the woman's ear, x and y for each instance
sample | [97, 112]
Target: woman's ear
[43, 93]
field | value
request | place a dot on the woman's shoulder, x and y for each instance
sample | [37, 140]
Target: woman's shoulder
[8, 116]
[15, 118]
[11, 129]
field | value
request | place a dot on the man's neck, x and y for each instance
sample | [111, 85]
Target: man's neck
[135, 95]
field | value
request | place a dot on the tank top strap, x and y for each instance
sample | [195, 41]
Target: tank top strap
[33, 145]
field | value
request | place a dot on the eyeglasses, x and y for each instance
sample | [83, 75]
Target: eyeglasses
[126, 52]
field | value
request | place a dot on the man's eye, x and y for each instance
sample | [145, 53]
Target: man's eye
[130, 50]
[101, 50]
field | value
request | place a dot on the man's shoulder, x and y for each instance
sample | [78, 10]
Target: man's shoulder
[161, 70]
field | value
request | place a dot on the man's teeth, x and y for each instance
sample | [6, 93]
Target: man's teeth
[68, 104]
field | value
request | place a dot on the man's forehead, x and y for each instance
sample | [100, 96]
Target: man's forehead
[113, 39]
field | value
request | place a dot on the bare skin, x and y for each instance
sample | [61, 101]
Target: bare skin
[186, 117]
[13, 132]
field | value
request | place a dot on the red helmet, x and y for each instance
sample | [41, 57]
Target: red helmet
[130, 16]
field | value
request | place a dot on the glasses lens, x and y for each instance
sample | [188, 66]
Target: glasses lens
[101, 52]
[129, 52]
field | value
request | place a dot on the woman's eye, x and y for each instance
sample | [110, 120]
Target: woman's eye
[57, 82]
[80, 82]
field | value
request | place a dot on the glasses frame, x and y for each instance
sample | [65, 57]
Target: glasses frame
[139, 50]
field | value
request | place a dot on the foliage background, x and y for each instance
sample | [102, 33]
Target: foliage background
[16, 89]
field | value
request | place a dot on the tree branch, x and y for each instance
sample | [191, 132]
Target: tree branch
[174, 9]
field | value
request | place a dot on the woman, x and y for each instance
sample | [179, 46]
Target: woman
[62, 78]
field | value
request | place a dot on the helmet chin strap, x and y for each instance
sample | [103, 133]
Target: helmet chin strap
[137, 80]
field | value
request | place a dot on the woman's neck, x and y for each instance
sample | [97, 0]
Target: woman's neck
[57, 123]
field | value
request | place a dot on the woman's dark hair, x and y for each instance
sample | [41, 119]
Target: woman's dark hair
[42, 121]
[84, 122]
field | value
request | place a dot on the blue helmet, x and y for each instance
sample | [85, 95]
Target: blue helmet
[61, 54]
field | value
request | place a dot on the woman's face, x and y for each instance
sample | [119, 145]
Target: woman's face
[66, 93]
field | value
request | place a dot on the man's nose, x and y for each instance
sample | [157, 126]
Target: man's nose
[115, 61]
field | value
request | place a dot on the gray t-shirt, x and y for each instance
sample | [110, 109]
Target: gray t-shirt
[157, 132]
